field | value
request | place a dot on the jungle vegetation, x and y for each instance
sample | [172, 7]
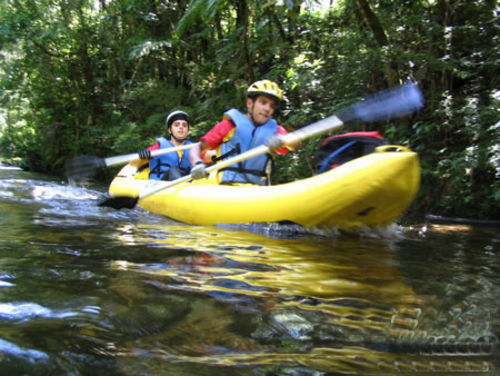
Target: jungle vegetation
[98, 77]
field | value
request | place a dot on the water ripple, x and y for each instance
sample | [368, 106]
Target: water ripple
[26, 311]
[28, 355]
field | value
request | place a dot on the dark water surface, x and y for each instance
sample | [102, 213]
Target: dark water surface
[92, 291]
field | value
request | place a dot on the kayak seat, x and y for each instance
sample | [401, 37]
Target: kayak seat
[339, 149]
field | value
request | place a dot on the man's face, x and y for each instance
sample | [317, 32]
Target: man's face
[261, 108]
[179, 129]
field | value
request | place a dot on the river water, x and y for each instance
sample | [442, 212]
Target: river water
[89, 290]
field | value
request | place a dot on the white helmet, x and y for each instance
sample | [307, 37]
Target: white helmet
[176, 115]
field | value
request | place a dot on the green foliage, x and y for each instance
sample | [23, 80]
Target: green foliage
[199, 10]
[99, 77]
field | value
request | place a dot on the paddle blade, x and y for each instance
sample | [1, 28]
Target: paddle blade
[119, 202]
[83, 167]
[388, 104]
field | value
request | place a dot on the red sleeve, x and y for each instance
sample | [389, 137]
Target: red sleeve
[215, 136]
[282, 130]
[154, 147]
[282, 151]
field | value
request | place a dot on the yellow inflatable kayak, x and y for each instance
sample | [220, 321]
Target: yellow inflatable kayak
[372, 190]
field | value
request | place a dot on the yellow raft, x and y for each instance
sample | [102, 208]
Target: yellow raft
[373, 190]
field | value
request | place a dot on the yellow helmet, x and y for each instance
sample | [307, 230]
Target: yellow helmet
[265, 87]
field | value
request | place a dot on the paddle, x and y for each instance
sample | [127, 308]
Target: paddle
[85, 166]
[385, 105]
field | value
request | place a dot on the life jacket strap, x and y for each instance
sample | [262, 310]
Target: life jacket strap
[244, 171]
[236, 150]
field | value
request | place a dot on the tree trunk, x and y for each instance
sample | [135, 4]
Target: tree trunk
[381, 39]
[242, 21]
[292, 16]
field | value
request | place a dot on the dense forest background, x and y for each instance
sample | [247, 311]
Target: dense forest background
[98, 77]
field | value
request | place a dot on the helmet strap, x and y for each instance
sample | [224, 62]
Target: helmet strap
[179, 140]
[250, 110]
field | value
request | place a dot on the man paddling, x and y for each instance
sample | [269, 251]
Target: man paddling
[239, 132]
[170, 166]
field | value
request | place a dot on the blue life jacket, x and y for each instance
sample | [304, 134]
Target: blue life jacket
[160, 165]
[246, 136]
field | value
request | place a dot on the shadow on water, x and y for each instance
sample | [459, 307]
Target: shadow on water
[92, 290]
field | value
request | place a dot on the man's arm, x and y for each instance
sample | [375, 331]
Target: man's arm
[195, 152]
[211, 140]
[276, 145]
[198, 170]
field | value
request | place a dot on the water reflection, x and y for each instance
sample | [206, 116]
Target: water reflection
[89, 290]
[324, 304]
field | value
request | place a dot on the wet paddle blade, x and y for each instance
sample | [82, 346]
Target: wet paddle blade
[388, 104]
[83, 167]
[119, 202]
